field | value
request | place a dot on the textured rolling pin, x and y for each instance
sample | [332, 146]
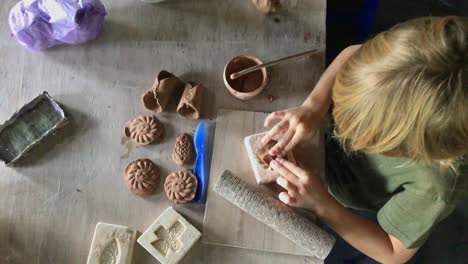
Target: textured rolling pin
[275, 214]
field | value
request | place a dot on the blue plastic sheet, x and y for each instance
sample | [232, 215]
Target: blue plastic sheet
[41, 24]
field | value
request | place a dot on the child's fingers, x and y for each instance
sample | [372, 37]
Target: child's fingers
[273, 116]
[286, 198]
[292, 143]
[275, 130]
[277, 149]
[284, 172]
[293, 168]
[287, 185]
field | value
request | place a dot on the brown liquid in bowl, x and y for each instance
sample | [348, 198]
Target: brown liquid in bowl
[246, 83]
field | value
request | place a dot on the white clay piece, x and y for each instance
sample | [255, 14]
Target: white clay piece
[170, 237]
[112, 244]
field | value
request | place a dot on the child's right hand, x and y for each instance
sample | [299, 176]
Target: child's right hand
[300, 123]
[296, 124]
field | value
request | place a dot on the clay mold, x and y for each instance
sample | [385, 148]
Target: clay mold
[260, 159]
[144, 130]
[184, 152]
[181, 186]
[263, 155]
[29, 126]
[170, 237]
[190, 103]
[112, 244]
[247, 86]
[142, 177]
[157, 98]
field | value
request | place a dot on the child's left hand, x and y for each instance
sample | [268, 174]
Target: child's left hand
[304, 189]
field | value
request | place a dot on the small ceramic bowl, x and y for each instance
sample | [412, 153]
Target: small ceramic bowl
[247, 86]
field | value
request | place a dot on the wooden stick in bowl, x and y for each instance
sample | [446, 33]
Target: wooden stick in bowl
[271, 63]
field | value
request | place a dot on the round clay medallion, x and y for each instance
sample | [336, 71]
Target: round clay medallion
[181, 186]
[144, 130]
[183, 152]
[142, 176]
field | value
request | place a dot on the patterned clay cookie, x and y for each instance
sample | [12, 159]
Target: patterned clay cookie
[142, 176]
[181, 186]
[184, 152]
[144, 130]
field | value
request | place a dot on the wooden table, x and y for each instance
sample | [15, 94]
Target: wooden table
[50, 204]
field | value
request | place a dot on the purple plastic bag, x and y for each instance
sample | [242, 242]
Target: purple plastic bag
[41, 24]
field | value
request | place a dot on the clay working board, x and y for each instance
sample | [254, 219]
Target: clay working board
[226, 224]
[57, 197]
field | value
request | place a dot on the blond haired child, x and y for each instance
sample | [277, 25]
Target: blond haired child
[400, 117]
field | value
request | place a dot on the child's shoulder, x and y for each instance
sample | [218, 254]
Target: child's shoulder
[441, 184]
[434, 182]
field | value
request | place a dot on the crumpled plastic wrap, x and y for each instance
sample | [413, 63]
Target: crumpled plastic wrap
[41, 24]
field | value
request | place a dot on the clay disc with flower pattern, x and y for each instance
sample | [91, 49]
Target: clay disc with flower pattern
[144, 130]
[184, 152]
[181, 186]
[142, 176]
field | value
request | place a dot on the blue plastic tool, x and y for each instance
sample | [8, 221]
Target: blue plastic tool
[202, 163]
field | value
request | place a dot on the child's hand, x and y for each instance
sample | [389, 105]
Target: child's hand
[304, 189]
[296, 124]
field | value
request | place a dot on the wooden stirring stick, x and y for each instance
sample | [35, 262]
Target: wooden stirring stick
[271, 63]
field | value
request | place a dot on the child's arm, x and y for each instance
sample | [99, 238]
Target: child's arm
[301, 122]
[366, 236]
[307, 191]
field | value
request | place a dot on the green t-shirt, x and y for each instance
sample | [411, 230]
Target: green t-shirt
[410, 197]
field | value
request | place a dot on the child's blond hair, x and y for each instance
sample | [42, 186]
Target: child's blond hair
[404, 93]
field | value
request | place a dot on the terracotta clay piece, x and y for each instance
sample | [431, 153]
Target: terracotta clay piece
[191, 102]
[260, 159]
[184, 152]
[263, 156]
[144, 130]
[267, 6]
[181, 186]
[271, 98]
[142, 176]
[157, 98]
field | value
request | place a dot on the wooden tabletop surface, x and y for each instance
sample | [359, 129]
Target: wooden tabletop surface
[51, 202]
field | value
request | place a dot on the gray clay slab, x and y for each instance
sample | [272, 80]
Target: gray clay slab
[29, 126]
